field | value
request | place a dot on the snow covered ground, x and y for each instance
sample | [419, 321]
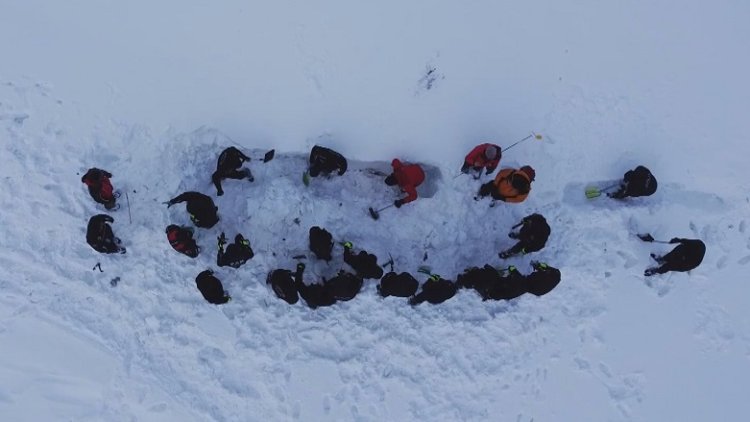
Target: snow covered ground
[154, 92]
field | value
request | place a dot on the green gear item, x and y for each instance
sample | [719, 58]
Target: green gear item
[434, 277]
[348, 245]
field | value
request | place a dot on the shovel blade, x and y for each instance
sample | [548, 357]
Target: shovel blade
[269, 156]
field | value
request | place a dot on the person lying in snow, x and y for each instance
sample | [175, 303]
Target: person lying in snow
[407, 177]
[99, 235]
[532, 236]
[543, 279]
[211, 288]
[228, 167]
[636, 182]
[325, 161]
[200, 207]
[686, 256]
[399, 285]
[365, 264]
[321, 243]
[237, 253]
[181, 239]
[284, 283]
[435, 290]
[484, 156]
[100, 188]
[510, 185]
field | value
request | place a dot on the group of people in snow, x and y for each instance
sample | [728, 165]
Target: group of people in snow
[509, 185]
[490, 283]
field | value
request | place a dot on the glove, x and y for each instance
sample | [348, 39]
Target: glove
[465, 168]
[675, 240]
[169, 204]
[489, 170]
[300, 267]
[513, 235]
[649, 272]
[219, 193]
[222, 240]
[398, 203]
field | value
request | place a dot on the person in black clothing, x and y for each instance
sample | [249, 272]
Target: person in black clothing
[686, 256]
[284, 283]
[435, 290]
[399, 285]
[344, 286]
[637, 182]
[236, 254]
[531, 237]
[99, 235]
[181, 239]
[100, 188]
[321, 243]
[325, 161]
[228, 167]
[200, 207]
[211, 288]
[365, 264]
[543, 279]
[512, 284]
[314, 295]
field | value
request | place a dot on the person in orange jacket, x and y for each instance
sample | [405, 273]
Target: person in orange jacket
[481, 157]
[407, 177]
[510, 185]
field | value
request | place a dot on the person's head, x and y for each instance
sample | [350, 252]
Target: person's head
[520, 183]
[529, 172]
[490, 152]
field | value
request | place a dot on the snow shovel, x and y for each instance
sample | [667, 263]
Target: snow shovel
[648, 238]
[594, 192]
[269, 156]
[375, 214]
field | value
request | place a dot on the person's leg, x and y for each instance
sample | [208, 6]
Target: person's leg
[517, 248]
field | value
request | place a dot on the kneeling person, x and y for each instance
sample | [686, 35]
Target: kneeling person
[237, 253]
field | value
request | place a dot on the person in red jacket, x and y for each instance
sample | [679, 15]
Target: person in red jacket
[100, 188]
[407, 177]
[482, 156]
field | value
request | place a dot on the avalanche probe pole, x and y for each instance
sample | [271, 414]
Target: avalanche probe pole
[127, 198]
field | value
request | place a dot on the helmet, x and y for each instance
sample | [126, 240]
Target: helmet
[490, 152]
[529, 172]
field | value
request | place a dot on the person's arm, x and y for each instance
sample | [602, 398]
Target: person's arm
[243, 156]
[411, 194]
[217, 182]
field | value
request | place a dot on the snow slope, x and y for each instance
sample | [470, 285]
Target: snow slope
[155, 96]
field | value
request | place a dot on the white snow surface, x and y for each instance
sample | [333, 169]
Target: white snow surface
[153, 91]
